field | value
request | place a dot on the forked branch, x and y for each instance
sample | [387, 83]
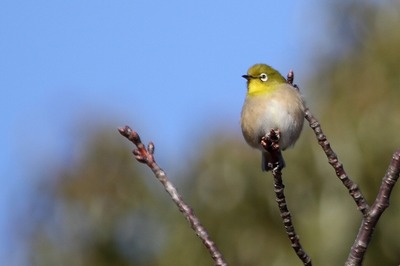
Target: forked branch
[270, 143]
[333, 160]
[371, 214]
[371, 218]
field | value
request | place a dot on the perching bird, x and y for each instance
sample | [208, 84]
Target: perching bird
[271, 103]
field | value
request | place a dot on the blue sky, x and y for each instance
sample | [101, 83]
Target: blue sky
[170, 69]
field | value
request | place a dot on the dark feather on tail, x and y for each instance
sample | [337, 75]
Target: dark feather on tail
[266, 163]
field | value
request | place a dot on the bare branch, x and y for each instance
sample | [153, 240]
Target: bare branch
[371, 214]
[333, 160]
[271, 143]
[371, 218]
[145, 156]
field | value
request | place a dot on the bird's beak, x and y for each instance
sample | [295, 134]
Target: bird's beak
[248, 77]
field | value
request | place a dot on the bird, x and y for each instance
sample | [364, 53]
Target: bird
[271, 104]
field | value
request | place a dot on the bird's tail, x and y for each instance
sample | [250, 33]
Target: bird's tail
[267, 165]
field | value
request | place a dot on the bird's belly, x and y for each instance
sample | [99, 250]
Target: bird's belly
[272, 114]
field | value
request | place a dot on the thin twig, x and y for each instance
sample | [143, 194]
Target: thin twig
[371, 218]
[271, 144]
[371, 214]
[333, 160]
[146, 156]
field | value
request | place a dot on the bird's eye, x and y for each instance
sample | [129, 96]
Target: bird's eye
[263, 77]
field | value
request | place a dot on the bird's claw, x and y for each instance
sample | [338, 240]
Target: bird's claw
[270, 142]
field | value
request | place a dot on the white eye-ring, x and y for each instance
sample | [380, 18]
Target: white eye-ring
[263, 77]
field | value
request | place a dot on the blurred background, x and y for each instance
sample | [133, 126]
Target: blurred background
[71, 72]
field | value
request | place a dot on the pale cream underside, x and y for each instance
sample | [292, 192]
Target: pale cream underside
[281, 109]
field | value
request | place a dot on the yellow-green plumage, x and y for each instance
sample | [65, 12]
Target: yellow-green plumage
[271, 103]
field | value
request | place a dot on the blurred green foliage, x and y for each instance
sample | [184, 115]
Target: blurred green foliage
[106, 209]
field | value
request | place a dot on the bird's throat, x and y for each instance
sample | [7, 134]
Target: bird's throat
[255, 87]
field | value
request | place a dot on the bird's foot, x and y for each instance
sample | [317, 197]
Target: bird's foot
[270, 142]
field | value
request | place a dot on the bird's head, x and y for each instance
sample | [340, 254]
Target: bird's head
[262, 79]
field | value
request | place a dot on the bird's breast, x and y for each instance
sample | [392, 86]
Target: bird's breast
[282, 109]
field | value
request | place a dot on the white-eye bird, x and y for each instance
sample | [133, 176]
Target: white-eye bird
[271, 103]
